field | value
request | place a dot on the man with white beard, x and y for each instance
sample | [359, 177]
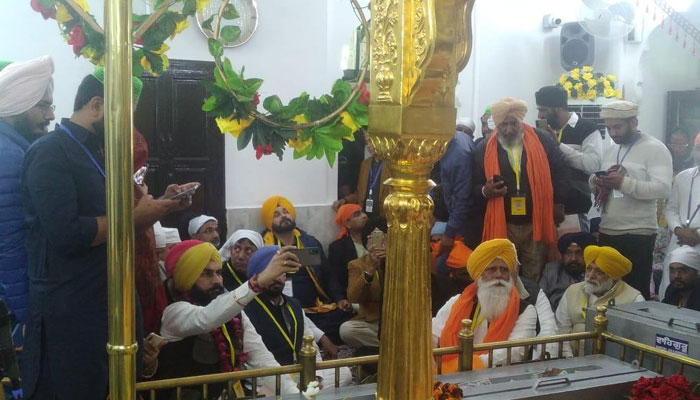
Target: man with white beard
[492, 303]
[602, 285]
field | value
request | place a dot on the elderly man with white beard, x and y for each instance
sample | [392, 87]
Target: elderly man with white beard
[492, 303]
[603, 285]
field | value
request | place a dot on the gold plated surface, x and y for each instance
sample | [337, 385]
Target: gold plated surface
[120, 198]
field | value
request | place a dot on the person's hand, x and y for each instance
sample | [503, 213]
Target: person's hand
[174, 189]
[687, 236]
[330, 350]
[281, 263]
[151, 350]
[376, 255]
[345, 305]
[337, 204]
[446, 245]
[492, 189]
[149, 210]
[559, 215]
[612, 180]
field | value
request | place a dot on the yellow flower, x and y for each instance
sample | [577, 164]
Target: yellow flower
[578, 86]
[90, 53]
[347, 120]
[146, 64]
[568, 85]
[201, 4]
[591, 95]
[606, 84]
[300, 119]
[568, 93]
[232, 125]
[609, 92]
[562, 79]
[298, 144]
[575, 74]
[62, 14]
[82, 4]
[587, 76]
[618, 94]
[612, 78]
[163, 48]
[179, 27]
[166, 61]
[592, 83]
[587, 68]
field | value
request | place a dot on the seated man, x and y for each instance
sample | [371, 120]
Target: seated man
[348, 246]
[166, 239]
[315, 286]
[236, 253]
[603, 285]
[684, 291]
[206, 331]
[205, 229]
[281, 321]
[559, 275]
[493, 304]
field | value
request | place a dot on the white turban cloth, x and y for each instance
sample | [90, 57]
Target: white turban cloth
[254, 237]
[23, 84]
[687, 256]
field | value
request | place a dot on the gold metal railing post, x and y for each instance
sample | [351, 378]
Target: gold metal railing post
[600, 325]
[417, 49]
[466, 342]
[120, 198]
[307, 358]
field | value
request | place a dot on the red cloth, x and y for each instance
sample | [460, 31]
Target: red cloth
[344, 213]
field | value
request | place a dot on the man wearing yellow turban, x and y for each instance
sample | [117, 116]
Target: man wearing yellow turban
[492, 303]
[602, 285]
[205, 327]
[316, 287]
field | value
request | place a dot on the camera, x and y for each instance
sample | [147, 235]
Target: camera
[550, 21]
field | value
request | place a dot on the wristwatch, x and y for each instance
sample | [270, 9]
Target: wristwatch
[368, 277]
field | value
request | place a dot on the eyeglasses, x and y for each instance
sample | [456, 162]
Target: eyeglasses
[210, 231]
[45, 107]
[677, 146]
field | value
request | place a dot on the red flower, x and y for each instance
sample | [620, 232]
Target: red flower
[364, 95]
[77, 38]
[261, 150]
[45, 12]
[256, 100]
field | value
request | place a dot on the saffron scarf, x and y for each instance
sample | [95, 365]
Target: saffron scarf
[540, 180]
[499, 329]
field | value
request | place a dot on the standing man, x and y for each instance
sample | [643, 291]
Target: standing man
[204, 228]
[638, 173]
[26, 108]
[522, 180]
[487, 126]
[63, 188]
[582, 146]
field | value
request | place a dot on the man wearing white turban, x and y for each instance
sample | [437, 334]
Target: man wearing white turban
[235, 254]
[26, 97]
[684, 291]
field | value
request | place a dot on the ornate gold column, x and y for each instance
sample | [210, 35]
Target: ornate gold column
[120, 197]
[418, 47]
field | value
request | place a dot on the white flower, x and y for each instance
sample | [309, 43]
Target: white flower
[311, 390]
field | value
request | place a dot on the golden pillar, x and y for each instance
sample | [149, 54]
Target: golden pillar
[418, 47]
[120, 197]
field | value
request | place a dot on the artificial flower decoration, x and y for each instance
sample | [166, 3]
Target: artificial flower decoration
[232, 125]
[585, 84]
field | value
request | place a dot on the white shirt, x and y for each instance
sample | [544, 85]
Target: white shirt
[588, 156]
[548, 324]
[525, 327]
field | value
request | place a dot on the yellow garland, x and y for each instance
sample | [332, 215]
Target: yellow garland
[62, 14]
[179, 27]
[232, 125]
[346, 119]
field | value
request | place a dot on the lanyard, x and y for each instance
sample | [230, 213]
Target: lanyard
[584, 306]
[689, 218]
[515, 156]
[224, 331]
[374, 177]
[293, 345]
[85, 149]
[478, 318]
[561, 133]
[619, 161]
[234, 274]
[299, 244]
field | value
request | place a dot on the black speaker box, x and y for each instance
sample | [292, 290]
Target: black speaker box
[576, 45]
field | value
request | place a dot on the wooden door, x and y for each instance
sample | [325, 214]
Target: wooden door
[184, 145]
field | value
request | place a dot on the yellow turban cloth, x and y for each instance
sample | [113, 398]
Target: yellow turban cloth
[508, 107]
[267, 212]
[191, 263]
[609, 260]
[488, 251]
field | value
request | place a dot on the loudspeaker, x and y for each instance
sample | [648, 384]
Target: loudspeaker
[576, 45]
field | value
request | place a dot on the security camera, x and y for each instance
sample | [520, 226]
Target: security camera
[549, 21]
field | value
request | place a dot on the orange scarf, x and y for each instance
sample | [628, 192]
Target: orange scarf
[540, 180]
[498, 330]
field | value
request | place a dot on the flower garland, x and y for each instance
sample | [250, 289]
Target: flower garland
[674, 387]
[584, 84]
[226, 364]
[446, 391]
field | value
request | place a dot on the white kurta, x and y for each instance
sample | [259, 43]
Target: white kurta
[525, 327]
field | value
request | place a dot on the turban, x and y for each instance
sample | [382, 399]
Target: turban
[4, 64]
[687, 256]
[136, 83]
[197, 222]
[439, 228]
[508, 107]
[697, 140]
[267, 213]
[468, 122]
[187, 260]
[344, 213]
[258, 262]
[254, 237]
[159, 234]
[486, 252]
[609, 260]
[580, 238]
[487, 110]
[619, 110]
[23, 84]
[551, 96]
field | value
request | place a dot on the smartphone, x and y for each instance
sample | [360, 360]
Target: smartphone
[497, 179]
[376, 238]
[308, 256]
[140, 175]
[182, 195]
[600, 173]
[154, 338]
[542, 124]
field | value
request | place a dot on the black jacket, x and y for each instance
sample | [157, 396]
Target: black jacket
[340, 253]
[673, 296]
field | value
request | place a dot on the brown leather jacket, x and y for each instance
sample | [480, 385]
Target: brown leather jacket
[367, 294]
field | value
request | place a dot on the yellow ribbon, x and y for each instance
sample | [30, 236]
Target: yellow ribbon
[293, 345]
[515, 155]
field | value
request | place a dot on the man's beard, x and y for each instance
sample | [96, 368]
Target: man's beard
[596, 289]
[27, 129]
[215, 242]
[273, 291]
[285, 225]
[202, 297]
[99, 128]
[627, 137]
[574, 268]
[493, 297]
[510, 141]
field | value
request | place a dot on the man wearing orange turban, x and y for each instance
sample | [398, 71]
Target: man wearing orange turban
[349, 245]
[603, 285]
[521, 180]
[492, 303]
[316, 287]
